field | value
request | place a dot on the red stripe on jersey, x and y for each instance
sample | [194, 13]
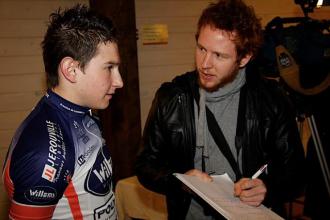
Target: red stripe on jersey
[7, 180]
[72, 197]
[21, 212]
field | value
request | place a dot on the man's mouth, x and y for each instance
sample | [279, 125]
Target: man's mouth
[206, 76]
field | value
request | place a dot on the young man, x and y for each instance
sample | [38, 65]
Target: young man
[222, 118]
[58, 166]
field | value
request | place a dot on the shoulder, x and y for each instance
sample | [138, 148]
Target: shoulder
[39, 156]
[36, 129]
[182, 84]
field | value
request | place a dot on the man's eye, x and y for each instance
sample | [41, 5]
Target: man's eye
[221, 56]
[218, 55]
[202, 49]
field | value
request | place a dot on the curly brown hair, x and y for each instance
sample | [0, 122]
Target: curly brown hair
[240, 20]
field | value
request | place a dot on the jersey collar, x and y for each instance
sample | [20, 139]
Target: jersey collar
[65, 104]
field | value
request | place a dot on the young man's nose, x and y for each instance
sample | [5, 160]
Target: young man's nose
[207, 61]
[117, 81]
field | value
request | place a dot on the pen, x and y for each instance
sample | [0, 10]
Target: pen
[260, 171]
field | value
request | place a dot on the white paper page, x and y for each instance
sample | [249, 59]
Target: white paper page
[220, 195]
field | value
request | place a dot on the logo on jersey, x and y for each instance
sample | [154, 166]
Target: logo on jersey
[82, 157]
[56, 153]
[88, 139]
[49, 173]
[98, 181]
[40, 194]
[106, 211]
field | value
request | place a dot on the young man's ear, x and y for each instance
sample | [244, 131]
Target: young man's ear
[245, 60]
[68, 69]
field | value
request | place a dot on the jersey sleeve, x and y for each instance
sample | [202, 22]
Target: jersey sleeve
[38, 170]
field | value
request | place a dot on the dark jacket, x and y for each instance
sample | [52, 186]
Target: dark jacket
[266, 133]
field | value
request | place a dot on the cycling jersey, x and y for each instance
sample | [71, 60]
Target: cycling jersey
[58, 166]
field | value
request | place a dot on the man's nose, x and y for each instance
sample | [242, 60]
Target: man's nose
[117, 81]
[207, 61]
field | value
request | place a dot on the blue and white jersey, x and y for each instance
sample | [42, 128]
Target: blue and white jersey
[58, 166]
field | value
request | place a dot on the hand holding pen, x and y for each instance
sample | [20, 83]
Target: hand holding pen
[251, 191]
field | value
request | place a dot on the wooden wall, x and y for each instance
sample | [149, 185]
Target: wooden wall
[22, 78]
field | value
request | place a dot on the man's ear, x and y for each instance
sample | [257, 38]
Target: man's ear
[68, 69]
[245, 60]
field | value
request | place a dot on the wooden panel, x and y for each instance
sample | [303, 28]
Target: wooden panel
[273, 7]
[21, 65]
[159, 74]
[23, 28]
[20, 46]
[154, 58]
[11, 120]
[5, 138]
[22, 83]
[169, 8]
[32, 9]
[19, 101]
[322, 13]
[175, 24]
[177, 41]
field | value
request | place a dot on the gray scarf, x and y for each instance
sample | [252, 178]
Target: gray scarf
[222, 103]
